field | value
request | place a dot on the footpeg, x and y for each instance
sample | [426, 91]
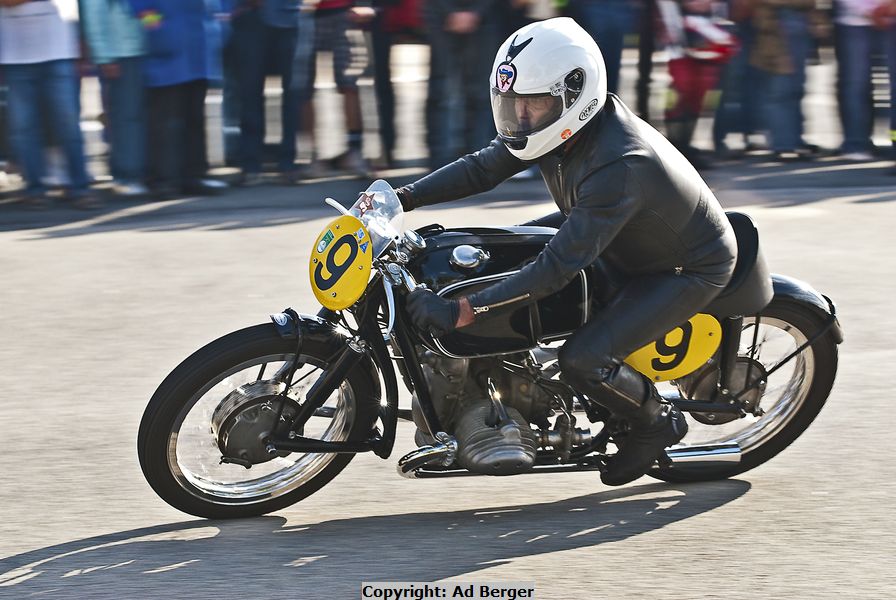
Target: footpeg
[441, 453]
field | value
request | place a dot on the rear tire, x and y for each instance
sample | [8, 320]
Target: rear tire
[821, 355]
[192, 489]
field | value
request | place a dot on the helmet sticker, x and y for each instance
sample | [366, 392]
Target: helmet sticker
[588, 110]
[567, 133]
[514, 49]
[505, 76]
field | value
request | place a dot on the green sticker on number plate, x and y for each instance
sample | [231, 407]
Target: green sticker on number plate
[340, 264]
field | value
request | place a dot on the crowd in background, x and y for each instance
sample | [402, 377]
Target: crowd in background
[155, 60]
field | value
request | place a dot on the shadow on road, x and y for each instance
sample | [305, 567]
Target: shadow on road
[253, 557]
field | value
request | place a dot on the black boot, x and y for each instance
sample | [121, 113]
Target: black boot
[655, 426]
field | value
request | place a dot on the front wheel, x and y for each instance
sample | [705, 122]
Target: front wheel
[224, 400]
[793, 396]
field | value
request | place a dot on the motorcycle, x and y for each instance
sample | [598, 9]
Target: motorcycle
[265, 416]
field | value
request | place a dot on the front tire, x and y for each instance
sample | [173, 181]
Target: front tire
[180, 449]
[791, 404]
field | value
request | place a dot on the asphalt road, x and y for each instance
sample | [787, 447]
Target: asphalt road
[96, 309]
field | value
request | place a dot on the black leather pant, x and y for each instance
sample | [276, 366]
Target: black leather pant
[642, 310]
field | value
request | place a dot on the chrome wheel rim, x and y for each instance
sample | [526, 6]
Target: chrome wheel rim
[785, 393]
[194, 455]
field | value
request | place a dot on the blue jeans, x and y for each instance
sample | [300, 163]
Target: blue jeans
[784, 92]
[737, 111]
[459, 117]
[127, 121]
[46, 91]
[260, 48]
[382, 84]
[855, 47]
[607, 21]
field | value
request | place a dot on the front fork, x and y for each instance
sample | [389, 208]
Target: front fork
[349, 356]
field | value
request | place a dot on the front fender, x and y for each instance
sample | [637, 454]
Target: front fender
[789, 289]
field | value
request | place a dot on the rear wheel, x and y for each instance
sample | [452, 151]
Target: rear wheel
[792, 398]
[224, 400]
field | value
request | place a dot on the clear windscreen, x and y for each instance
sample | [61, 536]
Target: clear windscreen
[379, 208]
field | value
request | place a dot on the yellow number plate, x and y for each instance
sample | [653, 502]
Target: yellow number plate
[681, 351]
[341, 260]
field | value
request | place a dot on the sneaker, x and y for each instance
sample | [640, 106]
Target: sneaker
[353, 162]
[807, 149]
[86, 201]
[788, 156]
[129, 189]
[313, 170]
[204, 187]
[857, 156]
[249, 179]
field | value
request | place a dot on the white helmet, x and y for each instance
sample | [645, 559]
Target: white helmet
[548, 81]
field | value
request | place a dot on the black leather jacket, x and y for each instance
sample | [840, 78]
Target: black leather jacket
[629, 196]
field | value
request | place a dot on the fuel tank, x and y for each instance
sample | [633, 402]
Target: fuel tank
[458, 262]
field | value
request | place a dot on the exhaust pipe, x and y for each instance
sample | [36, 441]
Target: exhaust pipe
[708, 456]
[442, 453]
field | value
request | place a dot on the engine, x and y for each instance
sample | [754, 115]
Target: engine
[492, 428]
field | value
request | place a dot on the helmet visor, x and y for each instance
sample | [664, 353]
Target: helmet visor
[518, 115]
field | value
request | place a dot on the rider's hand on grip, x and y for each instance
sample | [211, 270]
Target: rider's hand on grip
[405, 198]
[432, 313]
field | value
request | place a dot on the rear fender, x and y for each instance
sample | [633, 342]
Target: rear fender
[790, 290]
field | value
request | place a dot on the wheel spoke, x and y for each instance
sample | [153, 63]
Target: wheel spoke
[302, 378]
[772, 341]
[215, 417]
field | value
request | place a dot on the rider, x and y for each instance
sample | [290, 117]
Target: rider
[625, 195]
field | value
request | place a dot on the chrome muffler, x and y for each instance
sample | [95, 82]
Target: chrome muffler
[441, 453]
[706, 456]
[412, 465]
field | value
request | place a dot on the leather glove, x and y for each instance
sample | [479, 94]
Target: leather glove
[433, 313]
[405, 198]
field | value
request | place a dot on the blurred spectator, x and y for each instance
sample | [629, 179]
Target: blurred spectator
[183, 44]
[38, 51]
[463, 36]
[115, 39]
[4, 133]
[862, 28]
[738, 110]
[385, 25]
[515, 14]
[264, 40]
[393, 17]
[608, 21]
[646, 46]
[333, 21]
[697, 49]
[784, 30]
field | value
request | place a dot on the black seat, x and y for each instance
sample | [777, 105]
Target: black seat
[750, 289]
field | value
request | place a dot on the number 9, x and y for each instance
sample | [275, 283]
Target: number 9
[336, 271]
[676, 352]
